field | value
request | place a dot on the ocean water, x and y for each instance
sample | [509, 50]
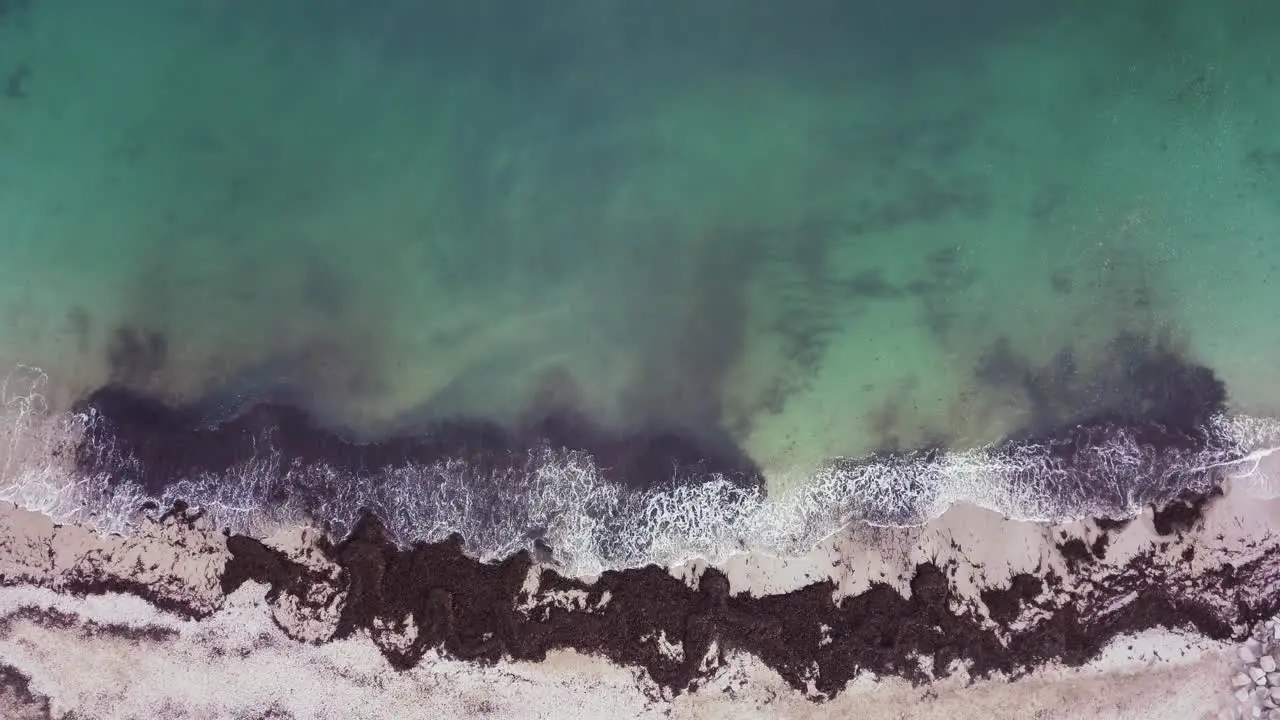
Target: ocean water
[875, 257]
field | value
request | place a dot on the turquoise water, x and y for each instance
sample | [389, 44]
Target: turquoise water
[813, 224]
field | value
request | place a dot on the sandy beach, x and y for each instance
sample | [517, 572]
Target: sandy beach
[1132, 620]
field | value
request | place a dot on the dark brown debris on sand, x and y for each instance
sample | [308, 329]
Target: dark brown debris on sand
[17, 697]
[1184, 512]
[470, 609]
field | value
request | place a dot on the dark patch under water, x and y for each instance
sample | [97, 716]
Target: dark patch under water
[1145, 390]
[157, 444]
[1144, 385]
[135, 356]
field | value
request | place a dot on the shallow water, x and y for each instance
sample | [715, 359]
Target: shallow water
[808, 230]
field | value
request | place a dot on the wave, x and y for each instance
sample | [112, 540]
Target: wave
[559, 500]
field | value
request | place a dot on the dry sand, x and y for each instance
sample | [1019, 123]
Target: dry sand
[76, 639]
[237, 664]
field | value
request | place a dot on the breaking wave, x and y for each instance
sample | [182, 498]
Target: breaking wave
[558, 499]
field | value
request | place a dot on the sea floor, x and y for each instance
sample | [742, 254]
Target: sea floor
[825, 230]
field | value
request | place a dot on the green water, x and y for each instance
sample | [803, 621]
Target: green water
[808, 222]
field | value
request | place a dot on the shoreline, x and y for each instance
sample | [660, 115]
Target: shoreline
[997, 600]
[600, 500]
[970, 596]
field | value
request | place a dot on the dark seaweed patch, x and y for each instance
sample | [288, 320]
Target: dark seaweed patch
[887, 422]
[1265, 162]
[1076, 553]
[134, 356]
[157, 444]
[808, 305]
[1062, 283]
[1005, 604]
[685, 362]
[11, 9]
[80, 328]
[58, 620]
[324, 289]
[1100, 545]
[945, 277]
[17, 83]
[468, 608]
[1183, 513]
[1109, 525]
[1048, 200]
[1144, 383]
[925, 199]
[1144, 391]
[17, 685]
[871, 285]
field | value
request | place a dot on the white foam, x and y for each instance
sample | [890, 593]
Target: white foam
[1258, 473]
[594, 524]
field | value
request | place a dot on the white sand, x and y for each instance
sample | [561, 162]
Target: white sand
[171, 559]
[981, 549]
[238, 662]
[243, 659]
